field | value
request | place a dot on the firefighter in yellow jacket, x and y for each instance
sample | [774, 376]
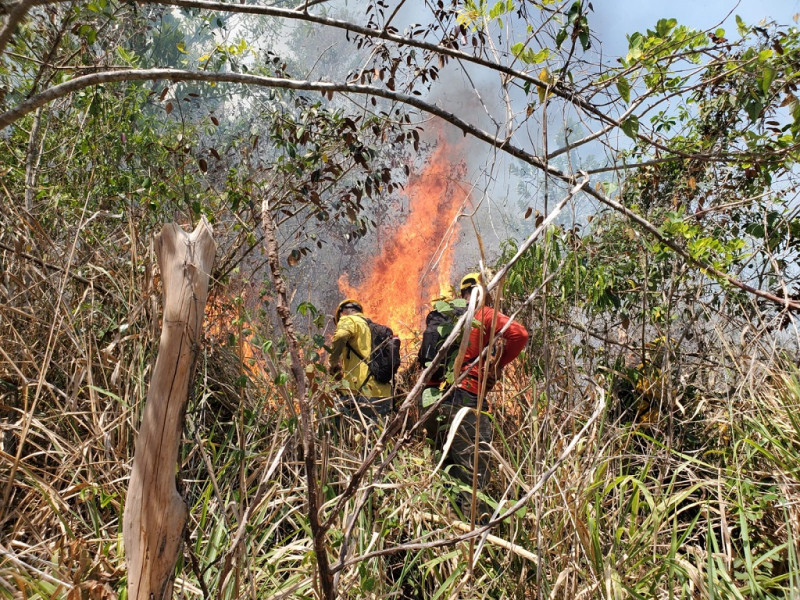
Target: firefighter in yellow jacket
[351, 348]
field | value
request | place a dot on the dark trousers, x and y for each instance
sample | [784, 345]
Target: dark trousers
[462, 449]
[373, 409]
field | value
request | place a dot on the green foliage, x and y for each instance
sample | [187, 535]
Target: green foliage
[528, 56]
[328, 163]
[630, 126]
[742, 108]
[478, 15]
[576, 27]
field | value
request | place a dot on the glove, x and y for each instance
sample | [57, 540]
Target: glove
[491, 380]
[498, 349]
[336, 371]
[492, 376]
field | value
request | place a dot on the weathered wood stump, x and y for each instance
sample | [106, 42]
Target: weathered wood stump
[155, 513]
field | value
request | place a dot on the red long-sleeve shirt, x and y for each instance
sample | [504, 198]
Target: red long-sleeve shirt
[516, 336]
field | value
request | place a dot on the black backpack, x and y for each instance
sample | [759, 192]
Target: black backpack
[384, 357]
[438, 325]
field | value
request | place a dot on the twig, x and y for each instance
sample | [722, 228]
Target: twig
[195, 564]
[32, 160]
[53, 267]
[492, 539]
[15, 16]
[30, 411]
[49, 578]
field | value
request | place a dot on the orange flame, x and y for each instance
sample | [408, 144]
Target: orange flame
[223, 318]
[415, 263]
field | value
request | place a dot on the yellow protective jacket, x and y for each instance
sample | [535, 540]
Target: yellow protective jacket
[353, 329]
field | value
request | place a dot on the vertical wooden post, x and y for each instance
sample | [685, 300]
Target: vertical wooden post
[155, 513]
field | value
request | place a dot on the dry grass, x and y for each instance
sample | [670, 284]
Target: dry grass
[699, 498]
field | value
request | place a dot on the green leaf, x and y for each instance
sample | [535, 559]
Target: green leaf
[105, 392]
[740, 25]
[635, 45]
[443, 306]
[583, 36]
[630, 126]
[497, 10]
[540, 56]
[561, 36]
[624, 89]
[609, 187]
[664, 26]
[444, 330]
[574, 13]
[753, 108]
[89, 32]
[127, 56]
[768, 76]
[755, 229]
[303, 307]
[528, 56]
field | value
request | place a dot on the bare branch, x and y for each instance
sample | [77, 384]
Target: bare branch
[309, 447]
[467, 128]
[16, 13]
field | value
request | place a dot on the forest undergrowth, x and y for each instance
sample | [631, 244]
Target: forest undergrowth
[675, 491]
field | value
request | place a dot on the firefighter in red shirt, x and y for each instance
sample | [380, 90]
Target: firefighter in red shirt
[506, 348]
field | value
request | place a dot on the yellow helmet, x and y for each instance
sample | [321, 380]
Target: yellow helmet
[348, 303]
[469, 280]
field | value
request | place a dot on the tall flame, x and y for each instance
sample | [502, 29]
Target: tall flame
[414, 263]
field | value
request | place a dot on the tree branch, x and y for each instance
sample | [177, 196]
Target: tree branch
[47, 265]
[559, 88]
[16, 13]
[309, 448]
[328, 88]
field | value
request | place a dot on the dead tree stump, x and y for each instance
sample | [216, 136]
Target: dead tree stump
[155, 513]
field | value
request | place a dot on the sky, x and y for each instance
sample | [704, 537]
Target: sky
[612, 20]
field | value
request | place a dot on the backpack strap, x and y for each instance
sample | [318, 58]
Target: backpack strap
[356, 352]
[352, 349]
[369, 372]
[361, 358]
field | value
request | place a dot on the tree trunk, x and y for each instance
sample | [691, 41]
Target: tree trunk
[155, 513]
